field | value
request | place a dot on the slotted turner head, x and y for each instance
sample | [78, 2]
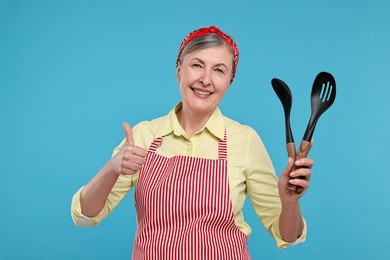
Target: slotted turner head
[323, 95]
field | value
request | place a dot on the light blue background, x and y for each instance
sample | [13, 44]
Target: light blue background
[72, 71]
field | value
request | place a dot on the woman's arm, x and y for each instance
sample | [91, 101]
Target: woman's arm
[94, 194]
[127, 162]
[290, 221]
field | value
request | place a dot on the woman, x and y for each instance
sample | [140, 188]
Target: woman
[193, 168]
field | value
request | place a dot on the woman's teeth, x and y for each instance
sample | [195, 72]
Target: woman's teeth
[202, 92]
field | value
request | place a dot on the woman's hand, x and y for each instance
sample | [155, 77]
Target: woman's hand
[298, 177]
[130, 158]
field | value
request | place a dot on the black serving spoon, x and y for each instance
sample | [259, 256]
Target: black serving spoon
[283, 92]
[323, 95]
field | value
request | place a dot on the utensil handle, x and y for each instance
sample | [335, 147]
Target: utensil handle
[291, 150]
[303, 151]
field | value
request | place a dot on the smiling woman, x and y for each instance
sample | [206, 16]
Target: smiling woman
[193, 168]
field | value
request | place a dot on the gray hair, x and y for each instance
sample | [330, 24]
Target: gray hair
[204, 42]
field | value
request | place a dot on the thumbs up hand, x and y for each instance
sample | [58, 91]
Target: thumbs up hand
[130, 158]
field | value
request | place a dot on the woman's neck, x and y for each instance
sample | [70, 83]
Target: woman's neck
[192, 122]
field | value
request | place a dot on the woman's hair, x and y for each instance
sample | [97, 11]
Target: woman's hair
[204, 42]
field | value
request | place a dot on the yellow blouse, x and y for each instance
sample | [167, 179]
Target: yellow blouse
[250, 169]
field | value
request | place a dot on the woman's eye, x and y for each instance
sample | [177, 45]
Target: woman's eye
[219, 70]
[196, 65]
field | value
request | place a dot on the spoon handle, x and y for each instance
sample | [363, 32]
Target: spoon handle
[303, 151]
[291, 150]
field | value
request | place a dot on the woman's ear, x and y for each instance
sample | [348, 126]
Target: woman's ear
[178, 73]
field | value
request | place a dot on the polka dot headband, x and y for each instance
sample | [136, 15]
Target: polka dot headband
[209, 30]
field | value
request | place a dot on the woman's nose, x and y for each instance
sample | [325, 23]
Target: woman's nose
[205, 78]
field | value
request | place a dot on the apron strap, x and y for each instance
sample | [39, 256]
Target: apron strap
[222, 148]
[156, 143]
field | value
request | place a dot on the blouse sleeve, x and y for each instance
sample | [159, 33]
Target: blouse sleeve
[262, 189]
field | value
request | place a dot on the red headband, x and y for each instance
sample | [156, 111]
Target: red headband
[209, 30]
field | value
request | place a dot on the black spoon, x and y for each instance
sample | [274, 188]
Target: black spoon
[283, 92]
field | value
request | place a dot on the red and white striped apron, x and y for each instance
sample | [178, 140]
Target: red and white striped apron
[184, 209]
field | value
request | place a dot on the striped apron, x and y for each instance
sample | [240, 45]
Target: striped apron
[184, 209]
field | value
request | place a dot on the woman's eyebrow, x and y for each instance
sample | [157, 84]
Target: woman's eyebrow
[216, 65]
[198, 60]
[221, 64]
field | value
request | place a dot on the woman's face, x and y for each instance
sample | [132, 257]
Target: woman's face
[204, 77]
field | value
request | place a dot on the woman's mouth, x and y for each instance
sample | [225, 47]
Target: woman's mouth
[202, 93]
